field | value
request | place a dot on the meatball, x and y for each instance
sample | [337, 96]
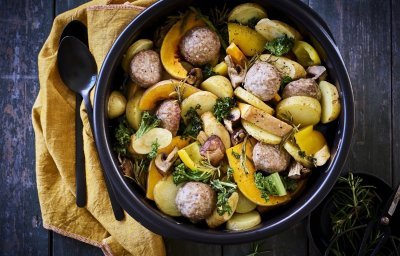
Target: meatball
[200, 46]
[302, 87]
[169, 112]
[263, 80]
[270, 158]
[195, 200]
[146, 68]
[213, 149]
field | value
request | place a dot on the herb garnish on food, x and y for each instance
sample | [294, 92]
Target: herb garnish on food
[148, 122]
[223, 107]
[224, 189]
[184, 174]
[122, 137]
[280, 46]
[194, 125]
[154, 148]
[285, 81]
[208, 71]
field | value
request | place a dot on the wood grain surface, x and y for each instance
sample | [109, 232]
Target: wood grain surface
[367, 33]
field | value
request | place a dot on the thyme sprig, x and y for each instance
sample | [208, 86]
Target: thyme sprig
[243, 156]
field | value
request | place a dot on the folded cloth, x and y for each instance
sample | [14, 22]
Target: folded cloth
[53, 118]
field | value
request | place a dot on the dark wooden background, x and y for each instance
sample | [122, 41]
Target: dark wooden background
[366, 31]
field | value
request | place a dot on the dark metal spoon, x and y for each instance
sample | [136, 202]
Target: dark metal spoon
[78, 70]
[78, 30]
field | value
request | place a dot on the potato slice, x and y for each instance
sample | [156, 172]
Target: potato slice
[243, 221]
[133, 113]
[249, 98]
[206, 101]
[218, 85]
[244, 205]
[306, 54]
[304, 110]
[294, 151]
[330, 102]
[322, 156]
[272, 29]
[211, 126]
[264, 120]
[247, 39]
[216, 220]
[286, 66]
[143, 144]
[247, 12]
[260, 134]
[164, 196]
[139, 45]
[116, 104]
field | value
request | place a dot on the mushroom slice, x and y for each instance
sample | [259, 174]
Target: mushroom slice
[238, 136]
[232, 120]
[164, 163]
[195, 77]
[126, 166]
[297, 171]
[213, 149]
[317, 72]
[236, 73]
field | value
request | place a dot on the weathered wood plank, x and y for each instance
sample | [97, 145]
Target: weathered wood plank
[292, 241]
[362, 32]
[181, 248]
[24, 28]
[396, 90]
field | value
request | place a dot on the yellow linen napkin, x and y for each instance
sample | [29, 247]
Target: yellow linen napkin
[53, 118]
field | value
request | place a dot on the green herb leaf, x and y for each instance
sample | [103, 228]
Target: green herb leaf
[253, 22]
[229, 173]
[148, 122]
[183, 174]
[235, 154]
[154, 148]
[224, 190]
[266, 185]
[290, 184]
[223, 107]
[285, 81]
[208, 71]
[194, 125]
[122, 135]
[280, 46]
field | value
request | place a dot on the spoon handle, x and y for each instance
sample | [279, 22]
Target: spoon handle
[80, 173]
[117, 209]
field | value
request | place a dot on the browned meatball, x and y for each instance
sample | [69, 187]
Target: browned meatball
[195, 200]
[270, 158]
[213, 149]
[200, 46]
[302, 87]
[146, 68]
[169, 112]
[263, 80]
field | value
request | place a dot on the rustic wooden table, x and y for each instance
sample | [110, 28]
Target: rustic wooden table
[366, 31]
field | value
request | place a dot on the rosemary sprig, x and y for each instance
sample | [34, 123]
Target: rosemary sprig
[256, 252]
[243, 156]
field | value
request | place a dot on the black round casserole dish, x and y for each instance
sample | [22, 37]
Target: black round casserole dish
[320, 183]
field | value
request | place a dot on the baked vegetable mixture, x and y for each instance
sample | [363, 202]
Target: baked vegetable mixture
[217, 120]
